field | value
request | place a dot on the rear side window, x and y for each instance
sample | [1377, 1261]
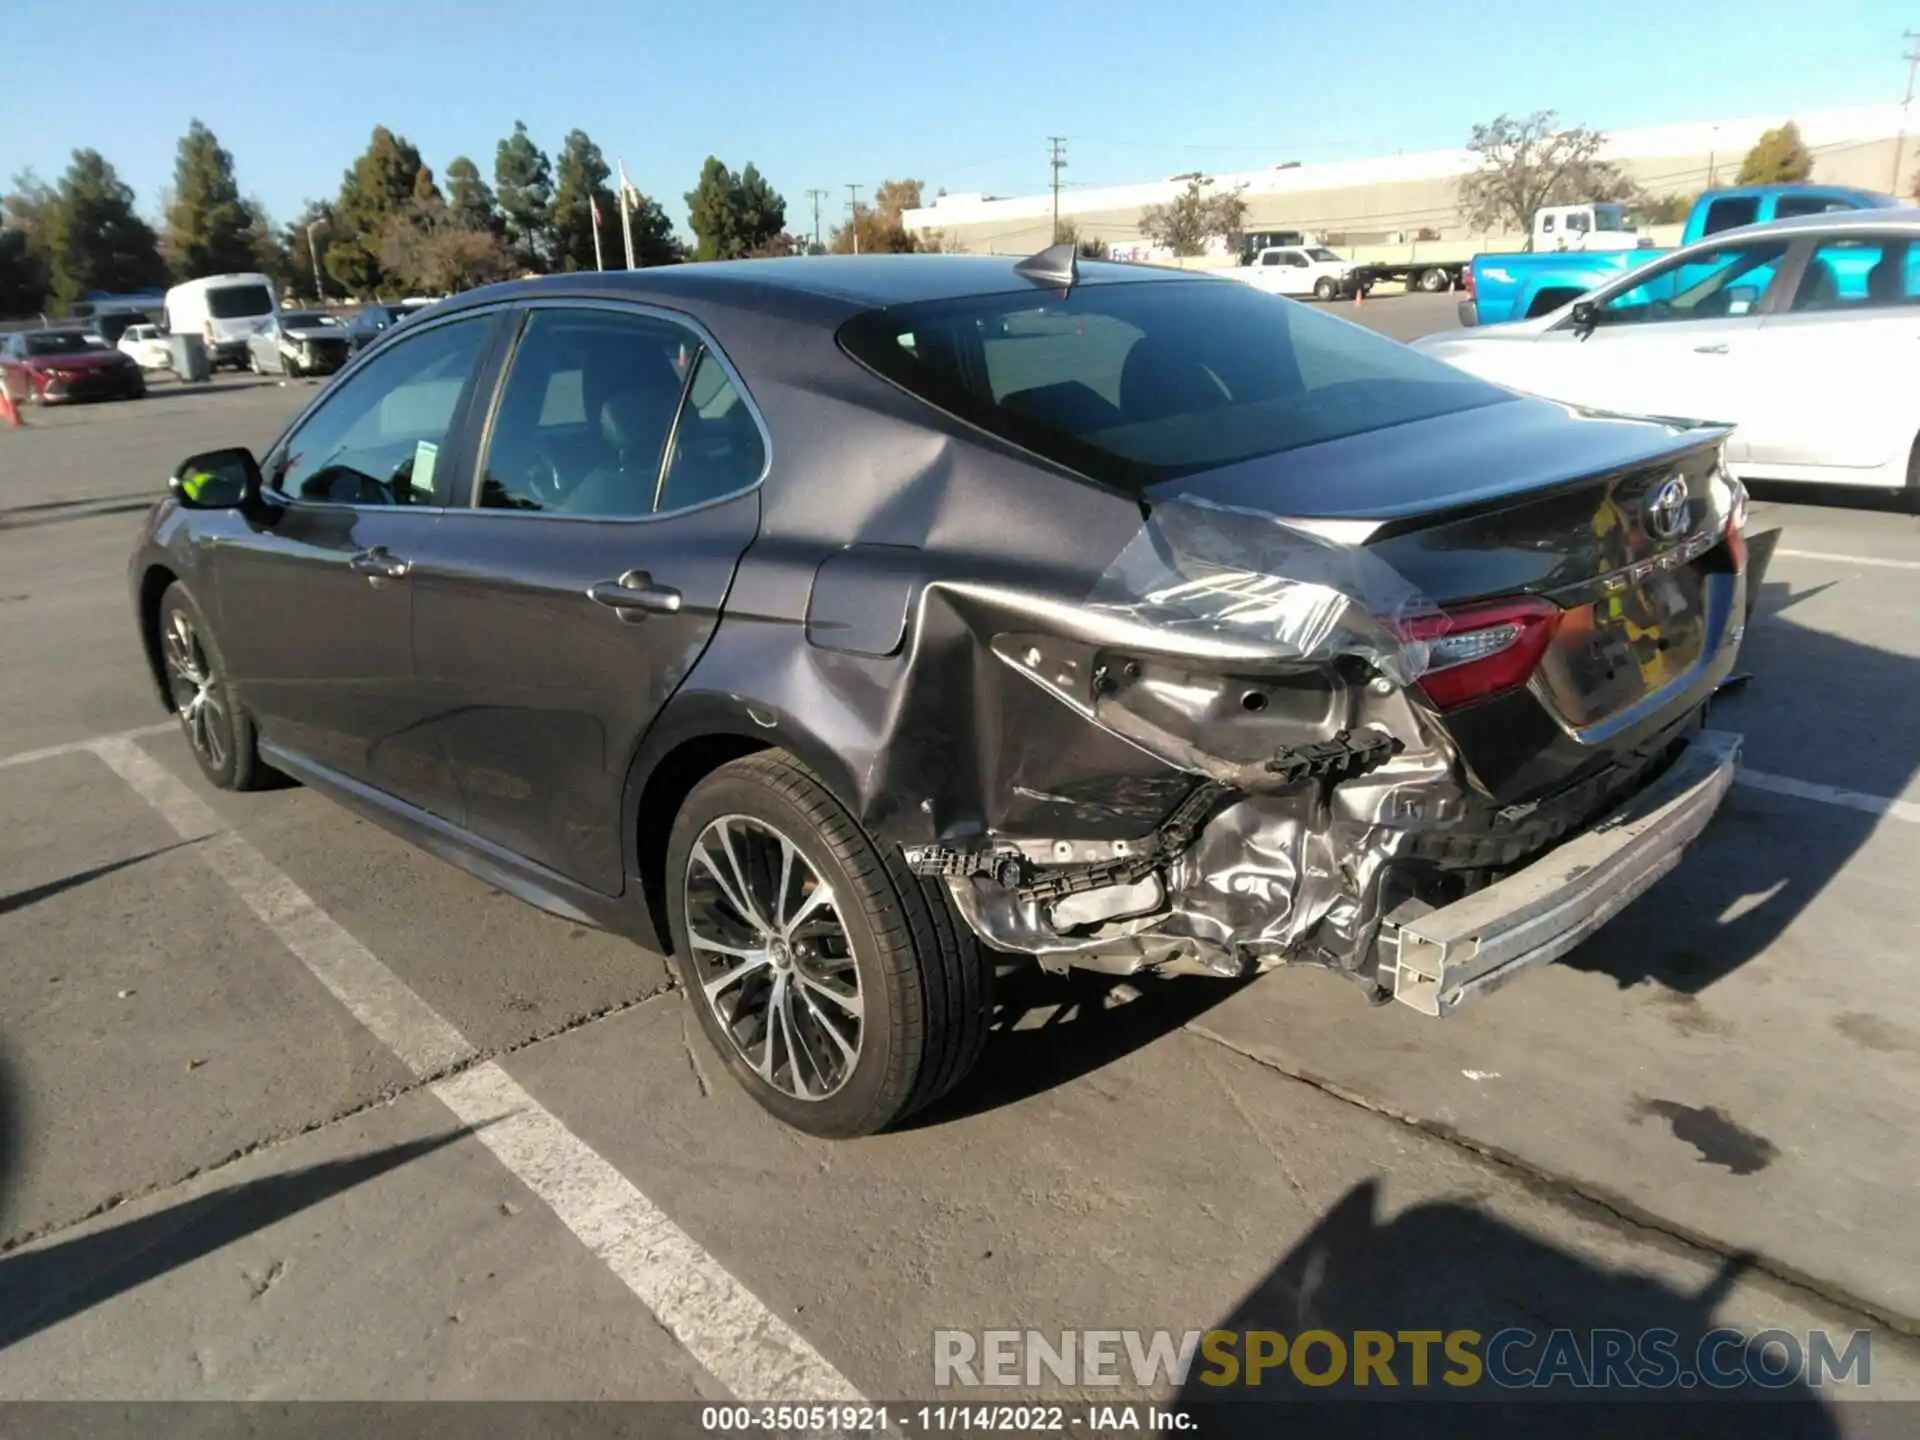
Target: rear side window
[1788, 206]
[1730, 214]
[1133, 384]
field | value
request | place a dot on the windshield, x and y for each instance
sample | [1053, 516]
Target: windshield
[1320, 252]
[59, 342]
[237, 302]
[1141, 382]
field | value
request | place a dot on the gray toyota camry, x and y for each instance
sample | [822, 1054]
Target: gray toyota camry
[851, 626]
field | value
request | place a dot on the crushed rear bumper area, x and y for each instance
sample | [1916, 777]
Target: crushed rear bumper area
[1444, 958]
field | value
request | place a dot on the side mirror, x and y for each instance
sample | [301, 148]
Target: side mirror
[1586, 315]
[216, 480]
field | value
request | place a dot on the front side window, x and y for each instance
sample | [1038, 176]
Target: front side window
[378, 439]
[1140, 382]
[1710, 286]
[1854, 274]
[583, 422]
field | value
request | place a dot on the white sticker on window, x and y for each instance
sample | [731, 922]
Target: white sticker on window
[425, 455]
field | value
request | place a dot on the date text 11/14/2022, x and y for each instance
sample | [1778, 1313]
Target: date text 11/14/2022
[852, 1419]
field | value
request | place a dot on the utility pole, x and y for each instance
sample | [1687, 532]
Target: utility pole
[816, 196]
[853, 205]
[1912, 57]
[1057, 159]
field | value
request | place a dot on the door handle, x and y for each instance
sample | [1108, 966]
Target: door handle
[378, 564]
[634, 596]
[1720, 349]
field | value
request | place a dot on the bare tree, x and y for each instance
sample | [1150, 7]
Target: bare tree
[1531, 161]
[1196, 215]
[428, 249]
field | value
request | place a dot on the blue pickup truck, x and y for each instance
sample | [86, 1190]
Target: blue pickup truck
[1521, 286]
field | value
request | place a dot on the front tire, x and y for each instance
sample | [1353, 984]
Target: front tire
[840, 990]
[1325, 289]
[218, 731]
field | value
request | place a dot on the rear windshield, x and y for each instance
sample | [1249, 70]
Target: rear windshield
[1134, 384]
[236, 302]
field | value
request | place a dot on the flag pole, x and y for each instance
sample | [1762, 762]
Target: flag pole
[626, 213]
[593, 206]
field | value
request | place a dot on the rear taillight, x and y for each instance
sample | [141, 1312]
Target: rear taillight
[1486, 650]
[1466, 280]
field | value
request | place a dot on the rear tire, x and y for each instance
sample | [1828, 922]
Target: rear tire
[218, 731]
[887, 992]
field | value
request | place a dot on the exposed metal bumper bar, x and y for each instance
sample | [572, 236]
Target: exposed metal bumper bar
[1539, 914]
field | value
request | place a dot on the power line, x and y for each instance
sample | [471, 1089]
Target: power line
[816, 196]
[1912, 57]
[853, 206]
[1058, 161]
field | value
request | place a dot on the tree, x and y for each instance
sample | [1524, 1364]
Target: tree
[423, 186]
[95, 238]
[470, 198]
[1196, 215]
[881, 228]
[428, 249]
[523, 185]
[893, 198]
[380, 185]
[1667, 209]
[1777, 158]
[733, 216]
[270, 253]
[1529, 162]
[580, 182]
[1090, 248]
[209, 227]
[26, 217]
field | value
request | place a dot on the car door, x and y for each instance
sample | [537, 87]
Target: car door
[556, 615]
[1835, 361]
[314, 601]
[1675, 339]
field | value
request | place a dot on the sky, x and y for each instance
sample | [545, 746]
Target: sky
[819, 95]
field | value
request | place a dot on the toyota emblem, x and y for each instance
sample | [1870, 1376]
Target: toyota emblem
[1667, 510]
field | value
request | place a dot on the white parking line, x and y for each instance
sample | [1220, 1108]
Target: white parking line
[722, 1323]
[74, 747]
[1906, 810]
[1872, 560]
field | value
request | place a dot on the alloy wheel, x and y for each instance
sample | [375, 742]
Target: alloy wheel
[195, 690]
[773, 958]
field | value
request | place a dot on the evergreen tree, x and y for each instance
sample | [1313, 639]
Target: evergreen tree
[209, 227]
[733, 216]
[579, 178]
[379, 186]
[1778, 157]
[523, 186]
[96, 240]
[470, 198]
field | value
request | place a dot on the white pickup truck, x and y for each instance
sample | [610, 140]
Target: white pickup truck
[1298, 270]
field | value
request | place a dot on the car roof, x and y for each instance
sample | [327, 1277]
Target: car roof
[866, 282]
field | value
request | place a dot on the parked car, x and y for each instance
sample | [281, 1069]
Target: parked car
[105, 327]
[46, 366]
[842, 623]
[146, 346]
[1298, 270]
[300, 342]
[1524, 287]
[225, 311]
[370, 322]
[1797, 333]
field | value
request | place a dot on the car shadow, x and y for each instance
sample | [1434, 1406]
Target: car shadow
[42, 1286]
[1764, 859]
[1445, 1267]
[1837, 497]
[1048, 1030]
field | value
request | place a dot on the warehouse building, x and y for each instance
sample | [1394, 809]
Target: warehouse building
[1400, 199]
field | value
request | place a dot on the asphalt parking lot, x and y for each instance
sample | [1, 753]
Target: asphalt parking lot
[291, 1110]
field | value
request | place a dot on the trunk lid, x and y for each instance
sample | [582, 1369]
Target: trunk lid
[1617, 522]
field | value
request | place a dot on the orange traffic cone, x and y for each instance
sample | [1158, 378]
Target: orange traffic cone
[1359, 296]
[10, 411]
